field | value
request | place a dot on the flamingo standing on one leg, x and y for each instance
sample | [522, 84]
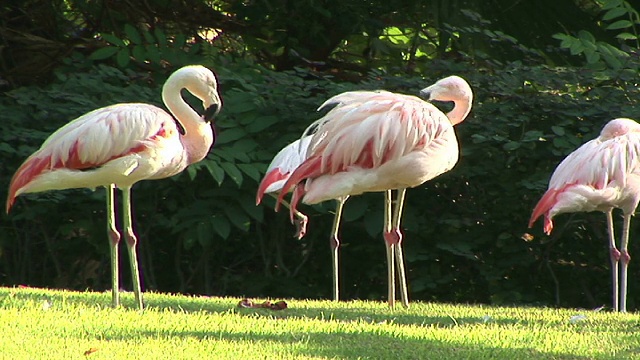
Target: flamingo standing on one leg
[379, 141]
[278, 172]
[119, 145]
[600, 175]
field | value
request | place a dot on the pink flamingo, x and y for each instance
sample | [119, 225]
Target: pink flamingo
[379, 141]
[119, 145]
[278, 172]
[600, 175]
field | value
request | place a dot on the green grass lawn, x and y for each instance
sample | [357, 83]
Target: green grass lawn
[51, 324]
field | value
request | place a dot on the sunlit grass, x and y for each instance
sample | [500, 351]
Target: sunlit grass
[37, 323]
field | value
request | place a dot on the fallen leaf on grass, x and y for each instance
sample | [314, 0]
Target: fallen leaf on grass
[90, 351]
[278, 305]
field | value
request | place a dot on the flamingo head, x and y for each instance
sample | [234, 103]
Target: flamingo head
[619, 127]
[451, 88]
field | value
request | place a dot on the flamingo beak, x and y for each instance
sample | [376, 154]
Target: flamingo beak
[211, 112]
[426, 93]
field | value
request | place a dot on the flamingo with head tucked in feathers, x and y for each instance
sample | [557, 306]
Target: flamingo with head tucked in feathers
[602, 174]
[379, 141]
[119, 145]
[278, 172]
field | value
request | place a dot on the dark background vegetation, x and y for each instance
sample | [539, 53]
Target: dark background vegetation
[547, 75]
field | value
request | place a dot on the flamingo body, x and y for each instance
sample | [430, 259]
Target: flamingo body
[374, 141]
[380, 141]
[119, 144]
[602, 174]
[122, 144]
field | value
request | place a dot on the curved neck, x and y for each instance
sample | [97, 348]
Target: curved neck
[460, 111]
[198, 136]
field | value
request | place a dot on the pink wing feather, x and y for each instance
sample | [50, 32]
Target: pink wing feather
[282, 165]
[94, 139]
[366, 129]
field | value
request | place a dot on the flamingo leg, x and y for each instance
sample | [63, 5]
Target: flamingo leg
[624, 258]
[389, 242]
[397, 215]
[614, 255]
[131, 239]
[335, 246]
[114, 240]
[300, 221]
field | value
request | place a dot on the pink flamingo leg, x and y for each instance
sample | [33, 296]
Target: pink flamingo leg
[402, 279]
[390, 240]
[300, 220]
[334, 241]
[114, 240]
[624, 258]
[614, 255]
[393, 239]
[132, 241]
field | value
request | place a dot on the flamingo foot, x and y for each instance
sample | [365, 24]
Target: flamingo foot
[301, 227]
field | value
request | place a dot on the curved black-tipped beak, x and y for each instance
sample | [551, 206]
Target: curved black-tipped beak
[211, 112]
[425, 93]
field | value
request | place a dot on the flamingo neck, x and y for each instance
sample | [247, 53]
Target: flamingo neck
[198, 136]
[460, 111]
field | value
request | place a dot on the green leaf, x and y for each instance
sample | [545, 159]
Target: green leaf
[262, 123]
[179, 41]
[560, 36]
[245, 145]
[123, 58]
[148, 37]
[248, 205]
[626, 36]
[232, 171]
[205, 237]
[132, 34]
[511, 145]
[112, 39]
[230, 135]
[609, 4]
[236, 216]
[192, 171]
[160, 37]
[620, 24]
[104, 53]
[221, 226]
[592, 57]
[614, 13]
[251, 170]
[558, 130]
[576, 48]
[354, 208]
[373, 222]
[153, 54]
[139, 53]
[214, 169]
[561, 143]
[586, 36]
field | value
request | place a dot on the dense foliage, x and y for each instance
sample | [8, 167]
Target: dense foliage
[466, 235]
